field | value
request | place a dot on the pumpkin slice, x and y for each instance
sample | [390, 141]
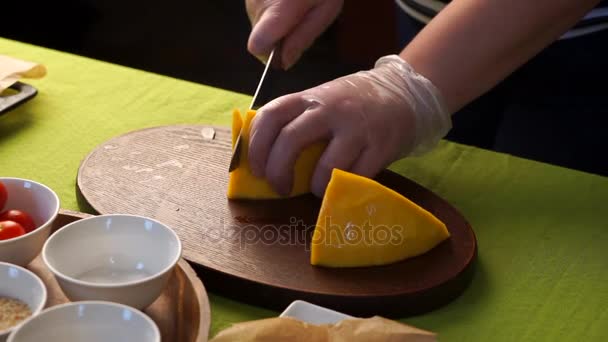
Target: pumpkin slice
[244, 185]
[363, 223]
[237, 124]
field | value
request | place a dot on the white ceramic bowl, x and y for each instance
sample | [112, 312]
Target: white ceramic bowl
[91, 321]
[118, 258]
[18, 283]
[42, 204]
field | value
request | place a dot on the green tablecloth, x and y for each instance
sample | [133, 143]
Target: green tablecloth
[542, 230]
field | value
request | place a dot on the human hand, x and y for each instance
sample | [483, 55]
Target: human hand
[369, 119]
[296, 24]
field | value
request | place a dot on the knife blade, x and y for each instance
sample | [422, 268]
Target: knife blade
[236, 152]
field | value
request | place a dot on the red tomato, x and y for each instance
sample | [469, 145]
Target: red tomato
[10, 229]
[3, 195]
[20, 217]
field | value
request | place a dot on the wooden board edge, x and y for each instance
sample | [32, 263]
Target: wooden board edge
[203, 300]
[73, 213]
[278, 298]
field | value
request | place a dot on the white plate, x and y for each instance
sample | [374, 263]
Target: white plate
[313, 314]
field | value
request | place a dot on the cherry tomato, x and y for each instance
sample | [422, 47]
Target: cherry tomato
[3, 195]
[21, 217]
[10, 229]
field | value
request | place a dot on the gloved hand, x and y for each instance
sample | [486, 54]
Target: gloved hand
[296, 24]
[369, 120]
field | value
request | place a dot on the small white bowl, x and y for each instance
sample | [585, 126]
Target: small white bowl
[125, 259]
[18, 283]
[91, 321]
[42, 204]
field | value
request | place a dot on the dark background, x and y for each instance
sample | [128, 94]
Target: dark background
[202, 41]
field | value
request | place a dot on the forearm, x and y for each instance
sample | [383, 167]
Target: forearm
[473, 44]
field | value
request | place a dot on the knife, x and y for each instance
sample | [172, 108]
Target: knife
[236, 152]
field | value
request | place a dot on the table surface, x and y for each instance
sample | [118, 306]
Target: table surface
[542, 230]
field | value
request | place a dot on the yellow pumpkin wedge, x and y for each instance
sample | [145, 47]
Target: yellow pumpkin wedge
[363, 223]
[242, 184]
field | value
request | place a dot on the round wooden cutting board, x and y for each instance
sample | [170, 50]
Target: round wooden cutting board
[258, 251]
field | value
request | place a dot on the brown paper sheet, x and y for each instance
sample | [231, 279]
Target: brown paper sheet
[12, 69]
[349, 330]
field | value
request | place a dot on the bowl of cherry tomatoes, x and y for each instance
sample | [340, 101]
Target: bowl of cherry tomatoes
[27, 212]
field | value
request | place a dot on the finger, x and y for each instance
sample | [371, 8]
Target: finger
[267, 125]
[254, 9]
[308, 128]
[307, 31]
[341, 153]
[370, 163]
[273, 24]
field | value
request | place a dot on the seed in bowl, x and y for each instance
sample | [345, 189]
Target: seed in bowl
[12, 312]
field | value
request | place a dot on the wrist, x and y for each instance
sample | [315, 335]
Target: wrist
[432, 116]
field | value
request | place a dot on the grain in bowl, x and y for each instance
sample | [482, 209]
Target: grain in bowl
[12, 312]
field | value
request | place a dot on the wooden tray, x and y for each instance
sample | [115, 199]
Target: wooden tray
[181, 312]
[256, 251]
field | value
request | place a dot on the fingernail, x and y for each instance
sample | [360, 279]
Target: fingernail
[259, 48]
[262, 59]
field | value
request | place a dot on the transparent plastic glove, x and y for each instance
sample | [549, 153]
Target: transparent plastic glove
[296, 24]
[369, 120]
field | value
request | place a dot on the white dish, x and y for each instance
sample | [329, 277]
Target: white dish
[118, 258]
[91, 321]
[313, 314]
[18, 283]
[42, 204]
